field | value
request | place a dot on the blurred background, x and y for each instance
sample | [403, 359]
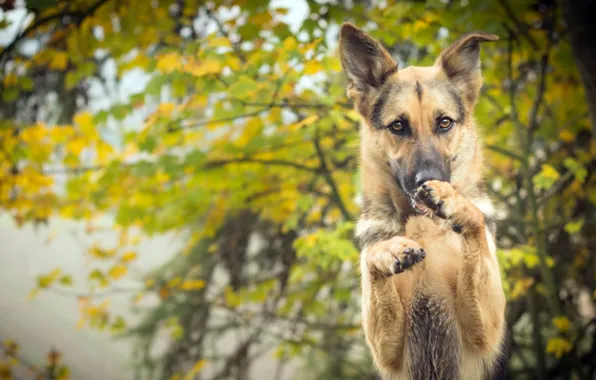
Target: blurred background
[179, 183]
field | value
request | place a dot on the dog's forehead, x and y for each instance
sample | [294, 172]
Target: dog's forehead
[416, 84]
[413, 74]
[417, 92]
[414, 80]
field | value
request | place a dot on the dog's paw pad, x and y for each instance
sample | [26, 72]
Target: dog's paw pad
[409, 258]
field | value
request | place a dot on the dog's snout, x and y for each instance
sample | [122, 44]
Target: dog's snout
[429, 174]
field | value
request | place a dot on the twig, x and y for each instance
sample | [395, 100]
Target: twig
[274, 162]
[222, 120]
[329, 178]
[504, 152]
[224, 33]
[522, 28]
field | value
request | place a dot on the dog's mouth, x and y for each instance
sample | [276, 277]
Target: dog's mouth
[417, 205]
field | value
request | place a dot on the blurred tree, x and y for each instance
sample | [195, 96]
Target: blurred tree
[581, 35]
[248, 148]
[13, 366]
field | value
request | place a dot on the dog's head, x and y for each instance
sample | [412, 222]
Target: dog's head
[417, 122]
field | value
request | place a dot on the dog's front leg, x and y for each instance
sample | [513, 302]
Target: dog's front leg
[480, 299]
[383, 314]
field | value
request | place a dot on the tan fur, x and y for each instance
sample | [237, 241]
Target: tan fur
[460, 269]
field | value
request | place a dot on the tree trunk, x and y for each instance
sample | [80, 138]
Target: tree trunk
[579, 17]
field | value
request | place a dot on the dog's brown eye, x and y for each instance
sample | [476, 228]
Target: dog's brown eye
[445, 123]
[397, 127]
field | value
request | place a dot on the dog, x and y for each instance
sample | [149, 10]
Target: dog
[432, 300]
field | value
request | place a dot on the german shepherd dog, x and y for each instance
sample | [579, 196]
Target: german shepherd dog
[432, 301]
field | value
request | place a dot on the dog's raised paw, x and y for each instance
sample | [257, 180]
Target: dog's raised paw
[437, 196]
[393, 256]
[409, 258]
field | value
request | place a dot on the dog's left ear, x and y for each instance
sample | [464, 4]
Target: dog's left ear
[365, 61]
[461, 63]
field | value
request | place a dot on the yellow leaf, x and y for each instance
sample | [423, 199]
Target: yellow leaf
[566, 136]
[312, 67]
[334, 63]
[198, 366]
[558, 346]
[118, 271]
[212, 248]
[175, 281]
[76, 145]
[308, 120]
[169, 62]
[59, 60]
[290, 43]
[219, 41]
[192, 285]
[199, 69]
[562, 324]
[32, 294]
[521, 287]
[165, 109]
[232, 299]
[549, 172]
[128, 257]
[85, 122]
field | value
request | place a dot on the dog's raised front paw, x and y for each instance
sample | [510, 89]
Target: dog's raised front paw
[393, 256]
[437, 196]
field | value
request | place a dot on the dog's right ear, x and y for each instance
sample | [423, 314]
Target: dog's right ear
[364, 60]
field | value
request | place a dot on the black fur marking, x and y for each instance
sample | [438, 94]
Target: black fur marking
[461, 108]
[419, 90]
[370, 237]
[388, 73]
[381, 208]
[377, 110]
[432, 342]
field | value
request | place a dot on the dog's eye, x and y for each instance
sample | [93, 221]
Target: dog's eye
[445, 124]
[398, 127]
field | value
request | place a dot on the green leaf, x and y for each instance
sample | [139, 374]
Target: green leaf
[26, 83]
[71, 80]
[243, 87]
[66, 280]
[572, 228]
[546, 178]
[148, 144]
[578, 170]
[10, 94]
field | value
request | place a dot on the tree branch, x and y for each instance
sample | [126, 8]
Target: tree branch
[329, 178]
[521, 27]
[504, 152]
[273, 162]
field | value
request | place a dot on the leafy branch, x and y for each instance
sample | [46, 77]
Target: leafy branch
[77, 18]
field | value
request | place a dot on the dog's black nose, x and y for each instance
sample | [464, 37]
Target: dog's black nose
[429, 174]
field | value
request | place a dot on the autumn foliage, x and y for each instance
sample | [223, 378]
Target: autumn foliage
[227, 122]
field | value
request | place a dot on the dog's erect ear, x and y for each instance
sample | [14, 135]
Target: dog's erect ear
[461, 63]
[365, 61]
